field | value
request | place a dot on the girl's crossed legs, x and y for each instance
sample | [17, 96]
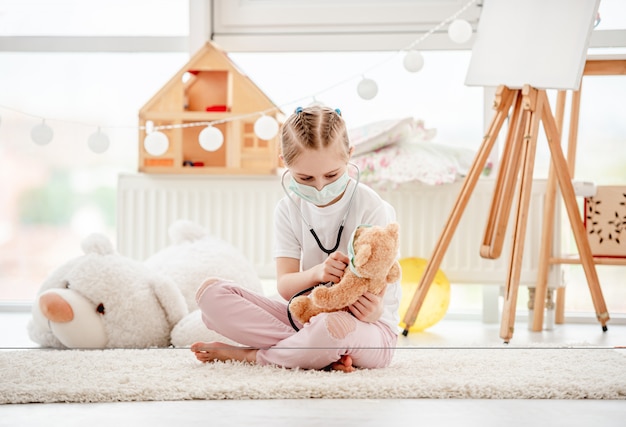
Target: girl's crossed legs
[337, 340]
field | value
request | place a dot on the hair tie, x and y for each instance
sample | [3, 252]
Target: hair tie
[298, 110]
[338, 111]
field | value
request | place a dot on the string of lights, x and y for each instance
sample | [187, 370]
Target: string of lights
[265, 127]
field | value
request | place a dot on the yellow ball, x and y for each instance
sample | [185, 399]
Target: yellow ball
[437, 298]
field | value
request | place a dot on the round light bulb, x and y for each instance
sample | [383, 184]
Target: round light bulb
[460, 31]
[211, 138]
[156, 143]
[149, 126]
[413, 61]
[266, 127]
[41, 134]
[98, 142]
[367, 89]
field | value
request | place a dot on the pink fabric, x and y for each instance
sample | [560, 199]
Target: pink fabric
[259, 322]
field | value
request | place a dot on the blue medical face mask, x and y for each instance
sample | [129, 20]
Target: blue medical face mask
[320, 197]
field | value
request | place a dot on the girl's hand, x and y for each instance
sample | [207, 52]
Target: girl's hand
[368, 308]
[332, 269]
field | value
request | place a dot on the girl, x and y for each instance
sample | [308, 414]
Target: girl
[313, 224]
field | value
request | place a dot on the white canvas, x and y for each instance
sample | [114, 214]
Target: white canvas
[542, 43]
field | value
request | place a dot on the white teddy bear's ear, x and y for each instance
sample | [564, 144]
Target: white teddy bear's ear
[97, 244]
[185, 231]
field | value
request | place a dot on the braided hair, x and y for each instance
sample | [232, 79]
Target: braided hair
[312, 128]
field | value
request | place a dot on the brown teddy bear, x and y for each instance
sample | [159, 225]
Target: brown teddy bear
[372, 267]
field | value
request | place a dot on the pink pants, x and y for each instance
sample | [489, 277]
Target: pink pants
[259, 322]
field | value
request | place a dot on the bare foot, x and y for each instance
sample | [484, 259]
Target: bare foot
[212, 351]
[344, 364]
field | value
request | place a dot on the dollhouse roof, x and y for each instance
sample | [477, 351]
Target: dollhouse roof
[247, 97]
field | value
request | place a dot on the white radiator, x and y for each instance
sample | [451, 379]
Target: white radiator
[239, 209]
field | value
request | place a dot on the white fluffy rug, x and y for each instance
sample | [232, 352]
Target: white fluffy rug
[174, 374]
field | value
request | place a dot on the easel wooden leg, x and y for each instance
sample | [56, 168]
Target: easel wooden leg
[569, 198]
[572, 142]
[534, 109]
[549, 212]
[501, 201]
[547, 232]
[545, 252]
[559, 311]
[502, 104]
[532, 115]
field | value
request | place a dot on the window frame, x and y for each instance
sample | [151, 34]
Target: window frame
[283, 25]
[287, 25]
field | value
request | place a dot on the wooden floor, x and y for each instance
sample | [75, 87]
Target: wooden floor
[330, 413]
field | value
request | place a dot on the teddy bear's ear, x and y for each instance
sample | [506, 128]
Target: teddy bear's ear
[362, 255]
[393, 227]
[97, 244]
[185, 231]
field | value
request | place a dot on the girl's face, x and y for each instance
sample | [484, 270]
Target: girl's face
[319, 168]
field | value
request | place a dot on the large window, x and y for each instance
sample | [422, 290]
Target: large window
[435, 94]
[152, 18]
[85, 65]
[52, 69]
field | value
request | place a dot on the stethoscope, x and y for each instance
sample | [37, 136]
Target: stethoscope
[343, 220]
[319, 243]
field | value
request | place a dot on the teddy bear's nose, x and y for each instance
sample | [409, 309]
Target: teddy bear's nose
[55, 308]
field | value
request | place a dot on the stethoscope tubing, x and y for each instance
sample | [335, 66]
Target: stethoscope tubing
[319, 243]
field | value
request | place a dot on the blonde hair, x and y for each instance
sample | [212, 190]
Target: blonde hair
[312, 128]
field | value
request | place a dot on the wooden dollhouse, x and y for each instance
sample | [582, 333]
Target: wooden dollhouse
[209, 88]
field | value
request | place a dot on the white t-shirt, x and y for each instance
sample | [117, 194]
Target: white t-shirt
[293, 238]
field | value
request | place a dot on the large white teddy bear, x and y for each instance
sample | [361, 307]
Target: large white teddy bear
[105, 300]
